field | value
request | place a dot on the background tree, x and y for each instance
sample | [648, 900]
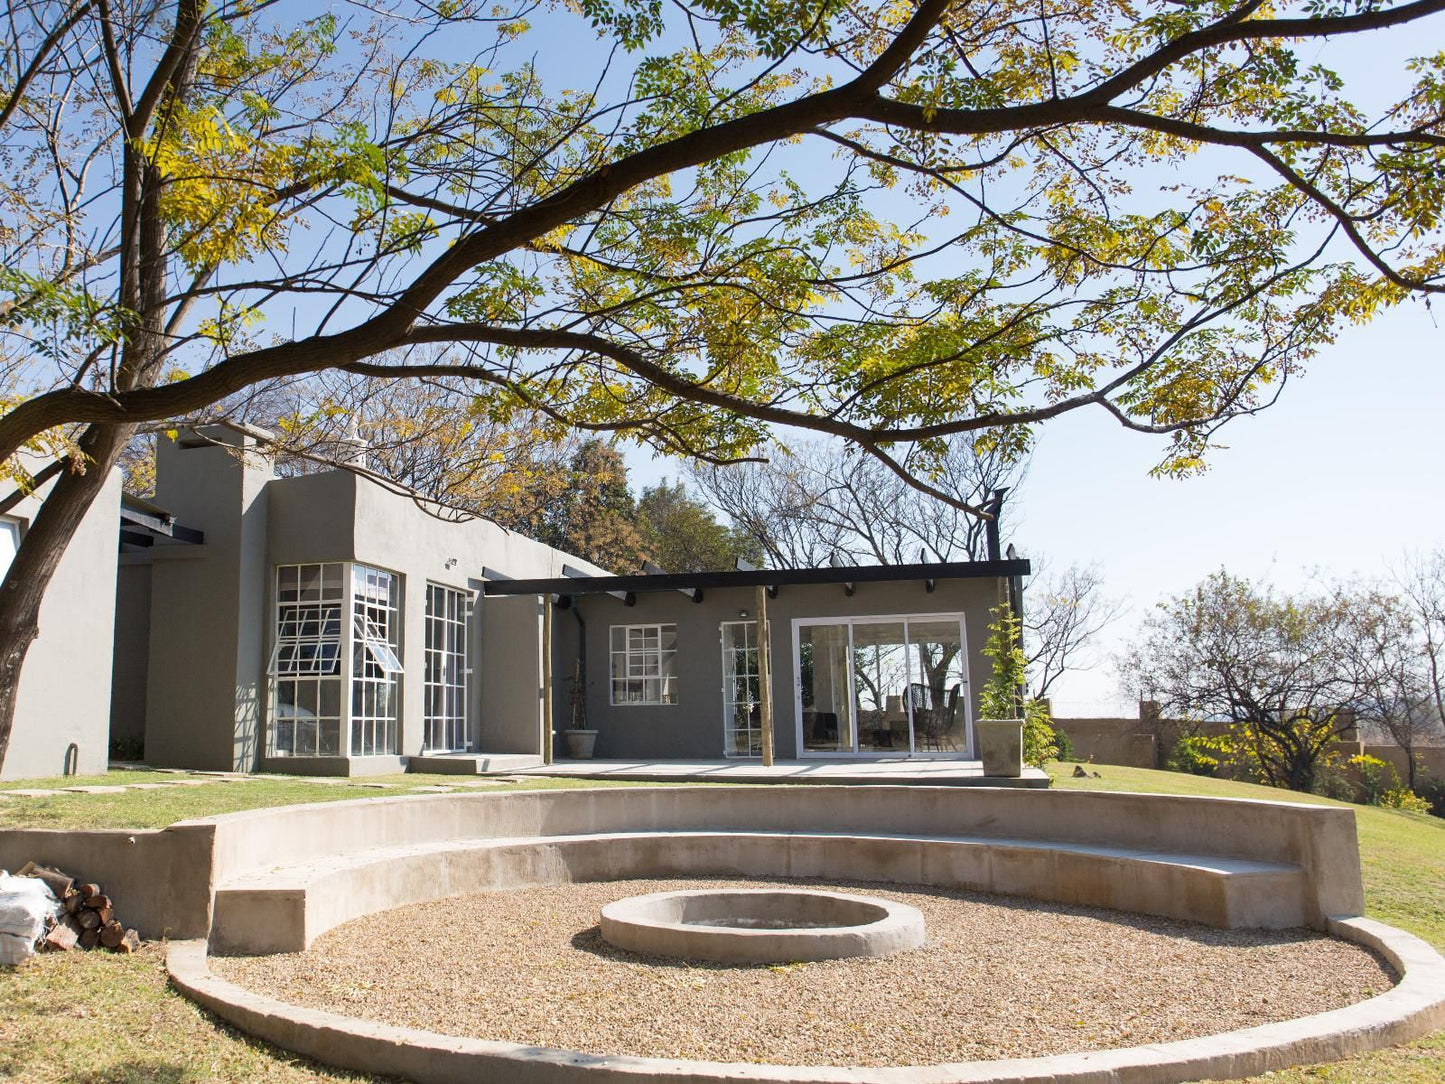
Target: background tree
[681, 534]
[887, 225]
[1420, 580]
[814, 503]
[596, 516]
[1277, 667]
[1064, 612]
[1389, 666]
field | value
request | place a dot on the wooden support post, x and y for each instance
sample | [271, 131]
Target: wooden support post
[765, 678]
[547, 737]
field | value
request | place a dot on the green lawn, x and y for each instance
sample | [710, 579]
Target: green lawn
[102, 1019]
[159, 808]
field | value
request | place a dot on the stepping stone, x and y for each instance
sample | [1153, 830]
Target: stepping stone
[95, 790]
[189, 783]
[148, 786]
[435, 789]
[31, 793]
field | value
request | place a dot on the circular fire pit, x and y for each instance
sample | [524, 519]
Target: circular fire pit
[758, 926]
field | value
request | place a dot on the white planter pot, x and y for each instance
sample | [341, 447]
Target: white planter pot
[1001, 747]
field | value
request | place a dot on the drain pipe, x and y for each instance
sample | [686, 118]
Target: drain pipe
[579, 687]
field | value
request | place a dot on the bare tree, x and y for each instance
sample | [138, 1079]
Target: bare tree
[816, 502]
[1064, 612]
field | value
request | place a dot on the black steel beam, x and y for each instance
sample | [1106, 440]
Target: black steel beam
[162, 525]
[580, 584]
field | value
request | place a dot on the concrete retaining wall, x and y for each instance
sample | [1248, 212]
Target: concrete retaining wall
[1319, 839]
[160, 880]
[165, 880]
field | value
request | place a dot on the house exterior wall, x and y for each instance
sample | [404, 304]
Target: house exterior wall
[64, 694]
[212, 607]
[693, 728]
[132, 650]
[205, 696]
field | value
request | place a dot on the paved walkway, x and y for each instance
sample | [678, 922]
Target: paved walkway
[915, 772]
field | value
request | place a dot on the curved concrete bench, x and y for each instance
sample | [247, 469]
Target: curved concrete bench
[1221, 861]
[1415, 1007]
[284, 909]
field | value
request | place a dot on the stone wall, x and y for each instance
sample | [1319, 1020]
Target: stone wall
[1145, 743]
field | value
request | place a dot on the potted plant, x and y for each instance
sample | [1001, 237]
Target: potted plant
[1001, 730]
[579, 739]
[1014, 730]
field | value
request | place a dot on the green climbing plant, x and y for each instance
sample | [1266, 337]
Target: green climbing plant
[1002, 696]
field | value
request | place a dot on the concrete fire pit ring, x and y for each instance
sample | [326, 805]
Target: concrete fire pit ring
[761, 925]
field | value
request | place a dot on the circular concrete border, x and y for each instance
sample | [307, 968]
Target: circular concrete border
[1414, 1007]
[811, 925]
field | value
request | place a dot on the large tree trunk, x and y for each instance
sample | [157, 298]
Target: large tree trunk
[39, 555]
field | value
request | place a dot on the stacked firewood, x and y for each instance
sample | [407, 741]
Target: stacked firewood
[87, 918]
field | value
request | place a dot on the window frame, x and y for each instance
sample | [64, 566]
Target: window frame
[358, 661]
[665, 676]
[447, 657]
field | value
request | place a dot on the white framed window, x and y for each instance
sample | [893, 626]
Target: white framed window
[448, 667]
[376, 667]
[305, 665]
[311, 645]
[644, 664]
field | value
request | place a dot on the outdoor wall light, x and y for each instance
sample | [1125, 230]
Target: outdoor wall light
[742, 613]
[451, 562]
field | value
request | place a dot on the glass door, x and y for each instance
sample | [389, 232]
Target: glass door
[882, 686]
[939, 686]
[742, 711]
[825, 689]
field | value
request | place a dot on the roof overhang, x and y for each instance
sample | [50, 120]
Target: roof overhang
[760, 577]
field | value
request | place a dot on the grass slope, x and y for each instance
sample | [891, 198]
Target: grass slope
[159, 808]
[101, 1019]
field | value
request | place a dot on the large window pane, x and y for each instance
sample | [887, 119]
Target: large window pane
[305, 663]
[940, 673]
[827, 700]
[881, 687]
[376, 665]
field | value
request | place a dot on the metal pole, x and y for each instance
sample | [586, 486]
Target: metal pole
[547, 738]
[765, 682]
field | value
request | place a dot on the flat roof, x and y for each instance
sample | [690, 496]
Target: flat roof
[758, 577]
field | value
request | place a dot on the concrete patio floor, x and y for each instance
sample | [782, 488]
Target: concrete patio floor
[915, 772]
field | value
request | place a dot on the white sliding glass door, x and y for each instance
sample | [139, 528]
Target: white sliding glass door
[882, 686]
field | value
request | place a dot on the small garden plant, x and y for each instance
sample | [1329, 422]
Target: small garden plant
[1003, 695]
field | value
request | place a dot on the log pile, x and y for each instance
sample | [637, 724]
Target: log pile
[87, 918]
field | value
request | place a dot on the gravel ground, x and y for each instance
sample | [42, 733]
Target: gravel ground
[999, 977]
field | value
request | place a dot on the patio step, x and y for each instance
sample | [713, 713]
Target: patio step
[472, 763]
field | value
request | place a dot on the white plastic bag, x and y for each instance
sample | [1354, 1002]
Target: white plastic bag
[25, 904]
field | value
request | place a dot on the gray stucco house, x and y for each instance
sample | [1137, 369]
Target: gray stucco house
[327, 624]
[62, 712]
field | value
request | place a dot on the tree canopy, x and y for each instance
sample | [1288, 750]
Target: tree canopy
[690, 224]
